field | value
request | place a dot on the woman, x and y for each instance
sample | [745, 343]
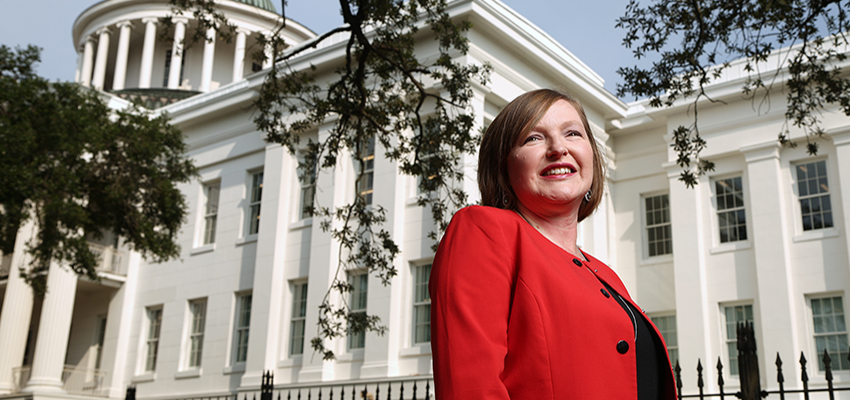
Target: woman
[518, 311]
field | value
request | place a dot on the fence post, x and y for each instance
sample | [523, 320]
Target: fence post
[748, 363]
[131, 393]
[267, 386]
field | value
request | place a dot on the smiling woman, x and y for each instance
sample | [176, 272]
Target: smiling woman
[518, 311]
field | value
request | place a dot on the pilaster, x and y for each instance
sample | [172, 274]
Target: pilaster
[689, 270]
[841, 139]
[120, 76]
[270, 285]
[776, 302]
[102, 57]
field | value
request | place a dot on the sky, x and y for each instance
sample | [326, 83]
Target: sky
[584, 28]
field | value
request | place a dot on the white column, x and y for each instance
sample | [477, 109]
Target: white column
[270, 285]
[209, 57]
[88, 61]
[690, 271]
[16, 312]
[841, 139]
[120, 77]
[177, 53]
[777, 301]
[118, 345]
[239, 54]
[146, 68]
[54, 329]
[102, 57]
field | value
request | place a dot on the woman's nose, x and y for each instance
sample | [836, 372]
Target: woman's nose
[556, 149]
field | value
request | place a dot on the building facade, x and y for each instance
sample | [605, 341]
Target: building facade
[762, 238]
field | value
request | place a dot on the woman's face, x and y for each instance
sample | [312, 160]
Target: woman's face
[551, 167]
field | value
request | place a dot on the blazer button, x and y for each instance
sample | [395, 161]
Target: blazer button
[622, 347]
[605, 292]
[577, 262]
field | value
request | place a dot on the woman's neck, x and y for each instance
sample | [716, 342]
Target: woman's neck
[561, 229]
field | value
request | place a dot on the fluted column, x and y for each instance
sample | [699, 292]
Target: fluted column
[54, 328]
[120, 77]
[209, 57]
[16, 313]
[146, 68]
[239, 54]
[102, 57]
[177, 53]
[88, 61]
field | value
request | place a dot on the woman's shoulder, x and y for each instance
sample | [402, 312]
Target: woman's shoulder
[482, 218]
[484, 212]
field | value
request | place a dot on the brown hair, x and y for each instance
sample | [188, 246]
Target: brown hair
[516, 120]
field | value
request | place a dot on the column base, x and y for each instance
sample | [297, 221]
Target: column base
[44, 385]
[317, 374]
[380, 369]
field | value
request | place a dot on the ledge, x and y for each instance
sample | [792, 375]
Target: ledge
[234, 369]
[246, 239]
[416, 350]
[146, 377]
[189, 373]
[816, 235]
[202, 249]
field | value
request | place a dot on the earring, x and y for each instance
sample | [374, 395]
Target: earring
[505, 200]
[587, 196]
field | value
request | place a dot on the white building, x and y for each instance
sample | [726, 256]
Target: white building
[244, 293]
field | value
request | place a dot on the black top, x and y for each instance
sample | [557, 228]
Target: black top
[650, 354]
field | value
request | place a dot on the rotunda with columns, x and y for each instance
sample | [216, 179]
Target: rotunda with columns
[122, 49]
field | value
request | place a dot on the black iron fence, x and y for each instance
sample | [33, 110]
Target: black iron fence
[403, 388]
[748, 372]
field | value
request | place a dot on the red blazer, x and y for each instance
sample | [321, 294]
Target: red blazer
[514, 316]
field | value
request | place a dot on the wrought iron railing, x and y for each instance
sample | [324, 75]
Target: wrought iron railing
[74, 380]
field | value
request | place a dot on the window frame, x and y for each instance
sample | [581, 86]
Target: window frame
[366, 184]
[195, 332]
[153, 329]
[241, 327]
[418, 306]
[357, 341]
[799, 198]
[298, 317]
[655, 318]
[646, 226]
[727, 342]
[304, 211]
[209, 215]
[254, 202]
[839, 361]
[735, 209]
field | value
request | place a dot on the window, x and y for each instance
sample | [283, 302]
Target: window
[152, 342]
[813, 188]
[299, 314]
[210, 212]
[658, 235]
[731, 218]
[243, 323]
[256, 195]
[308, 192]
[666, 324]
[357, 302]
[364, 185]
[421, 304]
[830, 331]
[198, 312]
[734, 316]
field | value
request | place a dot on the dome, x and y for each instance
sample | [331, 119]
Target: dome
[264, 4]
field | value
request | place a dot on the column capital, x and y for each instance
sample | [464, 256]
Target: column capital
[150, 20]
[180, 20]
[244, 31]
[761, 151]
[126, 23]
[104, 30]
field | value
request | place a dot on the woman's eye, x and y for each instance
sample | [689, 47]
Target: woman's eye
[573, 133]
[531, 139]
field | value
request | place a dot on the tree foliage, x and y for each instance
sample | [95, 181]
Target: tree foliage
[695, 40]
[77, 169]
[383, 95]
